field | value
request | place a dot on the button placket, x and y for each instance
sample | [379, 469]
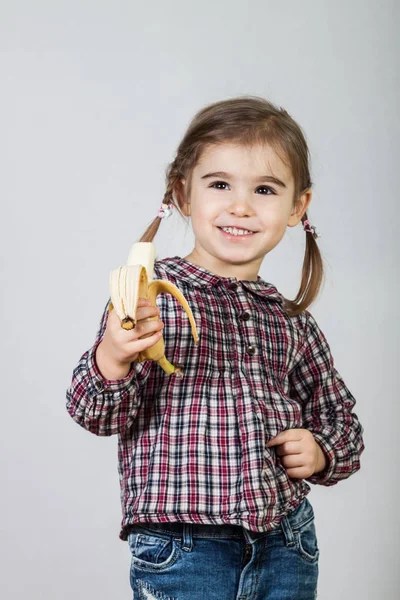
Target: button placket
[251, 347]
[244, 317]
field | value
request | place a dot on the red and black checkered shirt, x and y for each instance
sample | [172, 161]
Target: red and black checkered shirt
[194, 449]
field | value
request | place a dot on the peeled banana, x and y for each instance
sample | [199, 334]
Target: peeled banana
[134, 281]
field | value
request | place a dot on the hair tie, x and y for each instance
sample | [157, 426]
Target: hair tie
[311, 229]
[165, 210]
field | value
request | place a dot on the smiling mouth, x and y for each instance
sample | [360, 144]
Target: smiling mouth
[249, 232]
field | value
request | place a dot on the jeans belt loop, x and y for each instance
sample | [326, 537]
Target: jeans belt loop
[287, 532]
[187, 537]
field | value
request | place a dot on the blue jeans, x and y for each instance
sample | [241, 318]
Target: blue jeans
[184, 561]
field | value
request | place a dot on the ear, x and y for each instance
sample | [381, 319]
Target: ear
[300, 208]
[180, 195]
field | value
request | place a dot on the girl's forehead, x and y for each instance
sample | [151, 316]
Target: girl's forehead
[233, 156]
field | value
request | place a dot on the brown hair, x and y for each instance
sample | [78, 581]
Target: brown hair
[249, 120]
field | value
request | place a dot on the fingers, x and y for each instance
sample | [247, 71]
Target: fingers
[146, 342]
[289, 448]
[292, 460]
[299, 473]
[145, 328]
[124, 345]
[147, 322]
[144, 312]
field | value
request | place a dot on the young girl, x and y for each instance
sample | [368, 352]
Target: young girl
[214, 467]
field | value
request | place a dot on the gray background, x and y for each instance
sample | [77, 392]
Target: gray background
[95, 98]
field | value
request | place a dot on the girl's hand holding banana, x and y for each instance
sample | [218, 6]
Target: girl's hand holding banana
[130, 286]
[120, 347]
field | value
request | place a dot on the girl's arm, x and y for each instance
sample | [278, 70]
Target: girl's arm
[327, 408]
[103, 406]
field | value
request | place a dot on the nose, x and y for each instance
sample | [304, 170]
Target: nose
[241, 206]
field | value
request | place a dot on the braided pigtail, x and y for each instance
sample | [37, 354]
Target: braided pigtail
[312, 271]
[168, 203]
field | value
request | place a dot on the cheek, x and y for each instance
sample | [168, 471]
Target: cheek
[200, 222]
[202, 212]
[275, 221]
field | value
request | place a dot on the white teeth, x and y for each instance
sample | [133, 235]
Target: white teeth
[235, 231]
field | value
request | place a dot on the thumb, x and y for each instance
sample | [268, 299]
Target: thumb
[279, 439]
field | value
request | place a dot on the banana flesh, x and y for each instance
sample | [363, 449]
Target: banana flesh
[133, 281]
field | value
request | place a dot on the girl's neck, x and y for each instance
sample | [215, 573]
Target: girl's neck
[247, 272]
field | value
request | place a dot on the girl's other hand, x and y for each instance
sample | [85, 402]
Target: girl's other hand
[300, 453]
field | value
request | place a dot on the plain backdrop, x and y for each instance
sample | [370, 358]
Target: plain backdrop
[95, 97]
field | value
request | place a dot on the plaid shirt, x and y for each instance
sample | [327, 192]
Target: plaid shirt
[194, 449]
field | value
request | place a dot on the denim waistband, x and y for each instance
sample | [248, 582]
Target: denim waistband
[197, 530]
[296, 517]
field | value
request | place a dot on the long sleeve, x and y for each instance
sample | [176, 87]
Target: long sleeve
[327, 408]
[102, 406]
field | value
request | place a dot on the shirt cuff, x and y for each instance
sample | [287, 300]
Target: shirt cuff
[325, 475]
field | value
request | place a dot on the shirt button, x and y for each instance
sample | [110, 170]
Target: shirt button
[233, 286]
[98, 385]
[245, 316]
[251, 350]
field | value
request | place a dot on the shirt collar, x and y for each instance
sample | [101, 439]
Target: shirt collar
[200, 277]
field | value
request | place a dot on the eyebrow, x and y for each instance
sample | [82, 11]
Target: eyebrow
[269, 178]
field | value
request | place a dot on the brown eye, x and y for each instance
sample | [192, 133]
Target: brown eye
[218, 183]
[265, 187]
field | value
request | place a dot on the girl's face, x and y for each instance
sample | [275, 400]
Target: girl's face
[247, 188]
